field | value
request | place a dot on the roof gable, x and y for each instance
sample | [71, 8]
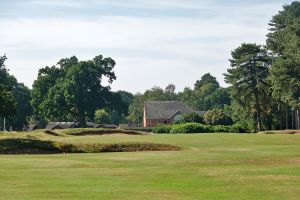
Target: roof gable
[165, 109]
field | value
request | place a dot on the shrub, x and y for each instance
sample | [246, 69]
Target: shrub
[191, 117]
[220, 129]
[160, 128]
[239, 128]
[102, 117]
[217, 117]
[200, 128]
[190, 128]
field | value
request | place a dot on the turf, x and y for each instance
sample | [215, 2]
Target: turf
[210, 166]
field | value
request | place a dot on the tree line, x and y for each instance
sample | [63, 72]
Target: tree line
[264, 91]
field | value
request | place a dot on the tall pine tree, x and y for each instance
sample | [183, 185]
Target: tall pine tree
[247, 75]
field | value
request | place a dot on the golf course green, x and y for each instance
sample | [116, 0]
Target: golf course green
[208, 166]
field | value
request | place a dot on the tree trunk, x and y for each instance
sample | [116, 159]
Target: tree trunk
[270, 120]
[81, 119]
[287, 118]
[258, 112]
[279, 117]
[259, 120]
[293, 119]
[297, 119]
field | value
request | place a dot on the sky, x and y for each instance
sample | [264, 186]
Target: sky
[153, 42]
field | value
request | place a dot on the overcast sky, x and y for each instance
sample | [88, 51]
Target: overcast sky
[154, 42]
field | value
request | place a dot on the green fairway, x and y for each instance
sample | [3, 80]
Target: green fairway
[210, 166]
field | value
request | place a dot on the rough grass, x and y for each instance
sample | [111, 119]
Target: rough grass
[281, 132]
[46, 141]
[95, 131]
[35, 146]
[210, 167]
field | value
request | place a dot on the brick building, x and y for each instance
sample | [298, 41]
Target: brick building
[164, 112]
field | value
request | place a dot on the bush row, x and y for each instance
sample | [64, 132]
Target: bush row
[199, 128]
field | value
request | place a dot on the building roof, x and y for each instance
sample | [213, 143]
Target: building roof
[165, 109]
[95, 125]
[60, 125]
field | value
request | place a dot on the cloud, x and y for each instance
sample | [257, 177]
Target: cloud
[149, 50]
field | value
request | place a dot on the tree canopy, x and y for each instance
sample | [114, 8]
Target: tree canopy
[14, 99]
[73, 89]
[284, 41]
[248, 77]
[7, 101]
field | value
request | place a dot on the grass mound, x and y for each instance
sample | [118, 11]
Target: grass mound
[34, 146]
[130, 147]
[51, 133]
[281, 132]
[28, 150]
[96, 131]
[23, 145]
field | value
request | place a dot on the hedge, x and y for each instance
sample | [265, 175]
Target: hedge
[199, 128]
[190, 128]
[160, 128]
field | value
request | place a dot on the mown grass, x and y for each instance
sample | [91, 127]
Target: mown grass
[210, 166]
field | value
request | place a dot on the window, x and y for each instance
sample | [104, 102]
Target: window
[177, 117]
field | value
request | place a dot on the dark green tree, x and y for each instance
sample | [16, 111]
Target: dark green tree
[14, 99]
[22, 95]
[47, 78]
[127, 99]
[284, 42]
[169, 93]
[192, 117]
[154, 94]
[118, 105]
[217, 117]
[7, 100]
[218, 99]
[210, 82]
[203, 88]
[248, 77]
[188, 96]
[74, 90]
[136, 109]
